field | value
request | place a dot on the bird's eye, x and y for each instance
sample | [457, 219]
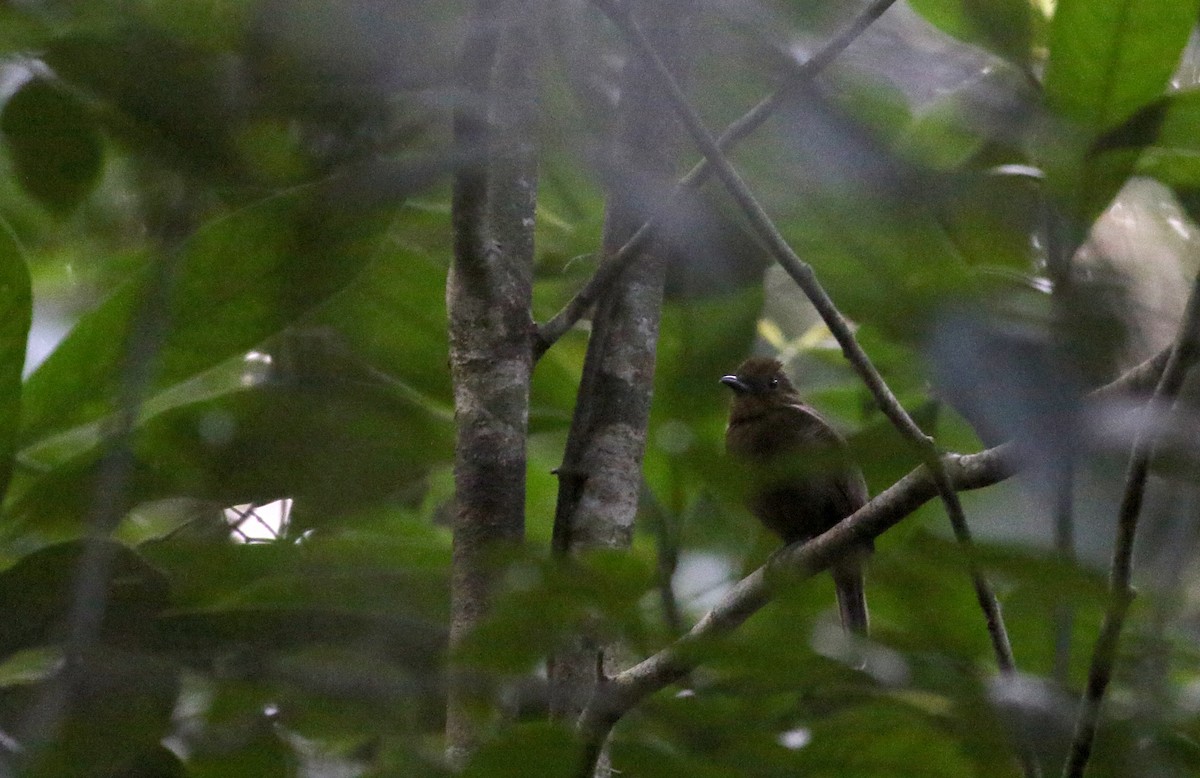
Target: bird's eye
[774, 381]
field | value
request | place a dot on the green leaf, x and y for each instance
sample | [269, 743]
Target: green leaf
[258, 751]
[163, 96]
[1108, 58]
[37, 592]
[880, 739]
[1174, 155]
[1003, 26]
[15, 314]
[55, 145]
[527, 751]
[242, 278]
[939, 137]
[321, 430]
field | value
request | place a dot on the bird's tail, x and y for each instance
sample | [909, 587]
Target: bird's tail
[852, 597]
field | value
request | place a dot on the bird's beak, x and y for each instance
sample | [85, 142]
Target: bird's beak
[734, 383]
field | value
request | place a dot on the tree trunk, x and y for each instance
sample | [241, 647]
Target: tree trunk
[488, 299]
[600, 478]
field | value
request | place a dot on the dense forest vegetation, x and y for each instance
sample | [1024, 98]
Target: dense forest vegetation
[360, 408]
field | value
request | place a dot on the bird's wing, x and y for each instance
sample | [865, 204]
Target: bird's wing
[810, 432]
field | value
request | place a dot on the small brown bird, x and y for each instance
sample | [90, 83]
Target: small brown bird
[802, 479]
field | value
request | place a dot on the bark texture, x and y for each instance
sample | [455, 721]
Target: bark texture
[488, 300]
[599, 481]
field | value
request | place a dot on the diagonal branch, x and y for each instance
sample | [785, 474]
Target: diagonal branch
[549, 333]
[1121, 593]
[804, 276]
[975, 471]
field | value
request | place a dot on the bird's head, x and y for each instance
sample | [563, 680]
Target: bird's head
[760, 378]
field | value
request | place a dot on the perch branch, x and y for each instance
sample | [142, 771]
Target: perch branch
[1121, 591]
[975, 471]
[804, 276]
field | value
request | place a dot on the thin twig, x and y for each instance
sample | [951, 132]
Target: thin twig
[116, 469]
[1064, 546]
[804, 276]
[888, 508]
[549, 332]
[1121, 591]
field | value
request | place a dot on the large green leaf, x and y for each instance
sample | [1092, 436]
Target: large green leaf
[326, 433]
[348, 406]
[241, 278]
[1109, 58]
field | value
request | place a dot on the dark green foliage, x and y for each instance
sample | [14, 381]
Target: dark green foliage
[236, 216]
[55, 145]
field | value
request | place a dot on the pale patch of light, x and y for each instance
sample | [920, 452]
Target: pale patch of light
[217, 428]
[1042, 284]
[1180, 227]
[795, 739]
[253, 523]
[1022, 171]
[257, 368]
[675, 437]
[702, 580]
[684, 694]
[10, 743]
[886, 666]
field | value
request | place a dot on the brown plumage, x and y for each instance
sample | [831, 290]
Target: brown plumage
[802, 479]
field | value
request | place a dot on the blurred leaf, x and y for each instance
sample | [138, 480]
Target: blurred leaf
[98, 737]
[213, 23]
[548, 601]
[181, 115]
[241, 278]
[260, 752]
[15, 316]
[37, 593]
[397, 569]
[939, 136]
[269, 631]
[1108, 60]
[656, 759]
[879, 740]
[1003, 26]
[992, 219]
[319, 426]
[864, 221]
[527, 751]
[361, 599]
[55, 146]
[29, 666]
[699, 341]
[1173, 157]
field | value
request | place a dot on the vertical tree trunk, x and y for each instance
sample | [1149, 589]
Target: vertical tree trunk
[488, 299]
[600, 478]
